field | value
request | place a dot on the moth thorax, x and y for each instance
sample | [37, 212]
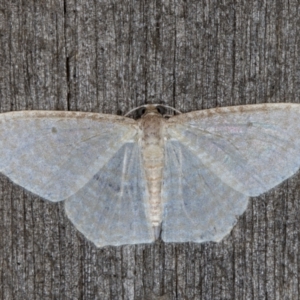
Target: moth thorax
[153, 159]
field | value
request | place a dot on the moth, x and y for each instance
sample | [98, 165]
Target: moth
[185, 178]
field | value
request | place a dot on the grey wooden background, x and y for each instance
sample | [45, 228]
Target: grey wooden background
[110, 56]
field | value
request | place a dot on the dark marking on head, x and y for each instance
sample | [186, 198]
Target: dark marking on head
[140, 112]
[54, 130]
[161, 109]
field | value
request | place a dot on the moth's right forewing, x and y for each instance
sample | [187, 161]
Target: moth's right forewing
[215, 159]
[54, 154]
[251, 148]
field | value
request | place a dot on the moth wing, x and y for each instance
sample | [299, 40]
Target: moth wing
[112, 208]
[197, 205]
[250, 148]
[54, 154]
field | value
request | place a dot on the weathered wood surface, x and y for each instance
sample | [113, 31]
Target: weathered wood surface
[110, 56]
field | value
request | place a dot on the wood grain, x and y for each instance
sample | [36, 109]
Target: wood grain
[110, 56]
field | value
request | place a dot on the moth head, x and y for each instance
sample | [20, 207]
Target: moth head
[151, 109]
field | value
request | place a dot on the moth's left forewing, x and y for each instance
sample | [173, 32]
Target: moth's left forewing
[53, 154]
[251, 148]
